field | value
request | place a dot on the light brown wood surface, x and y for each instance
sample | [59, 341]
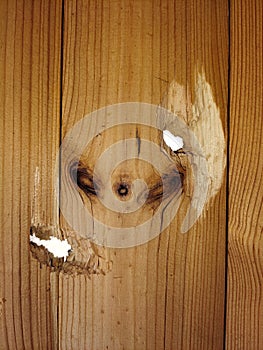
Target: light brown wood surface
[60, 60]
[245, 258]
[29, 114]
[169, 293]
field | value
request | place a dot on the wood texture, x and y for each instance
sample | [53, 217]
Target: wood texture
[29, 108]
[169, 293]
[245, 262]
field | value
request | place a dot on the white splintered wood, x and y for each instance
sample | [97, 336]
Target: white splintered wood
[174, 142]
[203, 119]
[59, 248]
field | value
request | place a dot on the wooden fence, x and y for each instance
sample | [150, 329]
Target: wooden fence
[61, 60]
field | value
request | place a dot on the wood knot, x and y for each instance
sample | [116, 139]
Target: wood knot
[123, 190]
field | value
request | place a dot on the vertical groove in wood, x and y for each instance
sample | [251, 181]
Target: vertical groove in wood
[29, 105]
[169, 293]
[245, 273]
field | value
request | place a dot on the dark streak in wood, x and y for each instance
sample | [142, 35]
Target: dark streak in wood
[138, 141]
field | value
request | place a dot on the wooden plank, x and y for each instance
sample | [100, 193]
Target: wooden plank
[169, 293]
[245, 262]
[29, 107]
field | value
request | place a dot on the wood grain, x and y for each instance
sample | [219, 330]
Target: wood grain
[245, 262]
[169, 293]
[30, 34]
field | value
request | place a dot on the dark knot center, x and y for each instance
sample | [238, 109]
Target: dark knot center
[123, 190]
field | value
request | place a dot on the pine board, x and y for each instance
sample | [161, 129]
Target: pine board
[29, 109]
[245, 247]
[169, 293]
